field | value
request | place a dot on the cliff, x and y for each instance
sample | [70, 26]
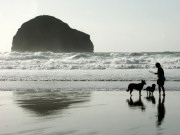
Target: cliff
[47, 33]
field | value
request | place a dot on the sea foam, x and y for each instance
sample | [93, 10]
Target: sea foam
[88, 61]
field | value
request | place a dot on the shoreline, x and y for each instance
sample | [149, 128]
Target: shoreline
[78, 85]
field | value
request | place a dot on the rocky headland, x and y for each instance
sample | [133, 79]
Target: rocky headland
[47, 33]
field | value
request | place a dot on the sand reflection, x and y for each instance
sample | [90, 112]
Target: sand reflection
[48, 103]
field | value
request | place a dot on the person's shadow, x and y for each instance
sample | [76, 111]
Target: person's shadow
[136, 104]
[160, 110]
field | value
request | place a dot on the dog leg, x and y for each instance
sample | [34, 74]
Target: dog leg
[140, 93]
[131, 92]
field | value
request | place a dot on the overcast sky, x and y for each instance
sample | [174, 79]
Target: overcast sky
[114, 25]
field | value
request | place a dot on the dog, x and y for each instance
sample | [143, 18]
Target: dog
[150, 89]
[138, 87]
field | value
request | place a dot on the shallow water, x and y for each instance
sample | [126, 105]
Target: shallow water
[88, 112]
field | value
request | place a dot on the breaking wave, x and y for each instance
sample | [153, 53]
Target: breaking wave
[88, 61]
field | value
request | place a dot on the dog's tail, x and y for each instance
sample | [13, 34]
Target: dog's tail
[127, 90]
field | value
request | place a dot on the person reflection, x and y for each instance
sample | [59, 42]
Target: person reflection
[138, 103]
[160, 111]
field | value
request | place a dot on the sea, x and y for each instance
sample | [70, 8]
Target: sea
[106, 71]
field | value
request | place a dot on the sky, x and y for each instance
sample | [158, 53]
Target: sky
[114, 25]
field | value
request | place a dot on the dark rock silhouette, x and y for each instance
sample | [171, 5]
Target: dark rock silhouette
[47, 33]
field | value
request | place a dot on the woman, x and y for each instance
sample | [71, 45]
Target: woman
[161, 78]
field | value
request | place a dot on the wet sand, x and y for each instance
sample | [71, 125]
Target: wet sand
[88, 113]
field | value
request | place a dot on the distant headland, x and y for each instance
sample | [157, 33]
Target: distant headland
[47, 33]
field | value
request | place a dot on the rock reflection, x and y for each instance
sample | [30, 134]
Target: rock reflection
[47, 103]
[160, 110]
[136, 104]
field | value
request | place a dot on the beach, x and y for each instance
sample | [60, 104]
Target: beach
[88, 112]
[85, 94]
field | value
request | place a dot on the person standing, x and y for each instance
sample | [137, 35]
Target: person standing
[161, 78]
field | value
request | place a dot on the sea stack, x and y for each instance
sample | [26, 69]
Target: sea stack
[47, 33]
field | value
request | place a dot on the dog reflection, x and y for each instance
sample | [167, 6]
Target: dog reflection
[151, 98]
[160, 110]
[138, 103]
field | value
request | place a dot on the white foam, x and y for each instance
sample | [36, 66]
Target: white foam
[87, 61]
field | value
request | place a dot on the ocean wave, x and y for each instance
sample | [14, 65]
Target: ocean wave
[88, 61]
